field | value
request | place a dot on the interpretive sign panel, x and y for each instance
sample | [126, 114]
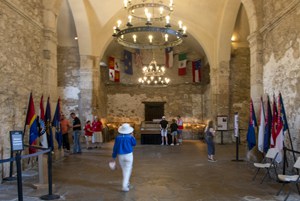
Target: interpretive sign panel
[16, 140]
[222, 123]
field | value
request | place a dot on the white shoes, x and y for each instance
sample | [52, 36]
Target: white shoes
[172, 144]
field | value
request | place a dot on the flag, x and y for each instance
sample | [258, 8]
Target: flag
[128, 62]
[113, 74]
[56, 124]
[268, 126]
[117, 70]
[182, 64]
[282, 125]
[43, 135]
[48, 124]
[251, 139]
[261, 131]
[31, 120]
[197, 71]
[274, 123]
[169, 57]
[138, 58]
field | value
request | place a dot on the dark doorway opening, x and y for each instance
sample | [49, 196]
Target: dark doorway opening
[154, 110]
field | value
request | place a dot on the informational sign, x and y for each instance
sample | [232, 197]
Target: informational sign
[236, 125]
[16, 140]
[222, 123]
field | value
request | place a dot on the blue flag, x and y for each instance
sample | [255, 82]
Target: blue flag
[251, 138]
[284, 119]
[48, 124]
[268, 126]
[56, 124]
[128, 62]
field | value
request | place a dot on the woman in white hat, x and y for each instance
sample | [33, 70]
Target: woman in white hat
[123, 148]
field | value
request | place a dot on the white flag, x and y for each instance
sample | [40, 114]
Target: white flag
[261, 131]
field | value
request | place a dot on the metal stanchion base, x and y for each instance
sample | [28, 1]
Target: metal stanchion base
[50, 197]
[237, 160]
[10, 179]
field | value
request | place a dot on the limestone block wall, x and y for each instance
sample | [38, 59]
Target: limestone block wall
[125, 103]
[281, 53]
[21, 59]
[240, 87]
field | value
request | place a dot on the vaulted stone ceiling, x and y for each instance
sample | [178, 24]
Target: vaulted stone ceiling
[210, 25]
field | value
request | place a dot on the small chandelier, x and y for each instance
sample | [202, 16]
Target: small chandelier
[148, 25]
[154, 75]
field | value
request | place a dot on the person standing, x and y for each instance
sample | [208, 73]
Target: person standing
[209, 138]
[97, 132]
[88, 134]
[76, 133]
[123, 149]
[174, 128]
[180, 128]
[65, 126]
[164, 130]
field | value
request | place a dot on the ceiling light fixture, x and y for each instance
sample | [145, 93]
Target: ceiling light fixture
[149, 25]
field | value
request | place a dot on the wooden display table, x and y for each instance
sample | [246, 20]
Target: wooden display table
[150, 133]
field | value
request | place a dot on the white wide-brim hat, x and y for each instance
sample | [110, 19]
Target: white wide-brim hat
[125, 129]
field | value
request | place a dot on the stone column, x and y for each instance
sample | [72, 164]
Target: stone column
[256, 67]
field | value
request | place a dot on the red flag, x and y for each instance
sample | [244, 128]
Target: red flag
[182, 64]
[31, 120]
[274, 123]
[43, 135]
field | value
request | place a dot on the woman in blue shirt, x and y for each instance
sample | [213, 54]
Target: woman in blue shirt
[123, 148]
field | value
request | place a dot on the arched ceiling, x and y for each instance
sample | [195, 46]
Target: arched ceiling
[206, 21]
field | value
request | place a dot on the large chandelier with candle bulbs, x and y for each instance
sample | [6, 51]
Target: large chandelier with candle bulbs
[154, 75]
[148, 25]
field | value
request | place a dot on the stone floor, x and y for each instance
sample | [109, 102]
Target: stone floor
[161, 173]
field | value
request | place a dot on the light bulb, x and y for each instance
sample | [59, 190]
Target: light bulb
[150, 38]
[148, 17]
[180, 24]
[166, 37]
[184, 29]
[161, 10]
[119, 22]
[167, 19]
[129, 18]
[134, 38]
[125, 3]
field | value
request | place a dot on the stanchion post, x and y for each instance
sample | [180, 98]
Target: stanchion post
[50, 196]
[19, 176]
[222, 137]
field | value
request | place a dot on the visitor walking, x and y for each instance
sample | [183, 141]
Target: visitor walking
[174, 128]
[97, 129]
[164, 130]
[76, 133]
[88, 134]
[65, 126]
[123, 149]
[209, 138]
[180, 128]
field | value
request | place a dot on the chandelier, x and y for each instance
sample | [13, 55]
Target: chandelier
[154, 75]
[148, 25]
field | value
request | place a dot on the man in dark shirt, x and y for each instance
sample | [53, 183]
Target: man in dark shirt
[164, 130]
[76, 133]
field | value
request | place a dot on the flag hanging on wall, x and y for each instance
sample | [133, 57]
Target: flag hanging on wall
[251, 139]
[182, 64]
[196, 71]
[128, 62]
[48, 124]
[114, 69]
[31, 120]
[268, 126]
[261, 131]
[43, 135]
[56, 124]
[169, 57]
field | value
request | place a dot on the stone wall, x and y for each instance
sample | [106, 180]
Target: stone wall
[281, 34]
[240, 88]
[21, 59]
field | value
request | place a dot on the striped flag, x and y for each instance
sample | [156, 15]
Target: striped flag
[169, 57]
[251, 139]
[31, 120]
[182, 64]
[197, 71]
[261, 132]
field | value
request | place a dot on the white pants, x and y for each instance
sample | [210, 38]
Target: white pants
[126, 161]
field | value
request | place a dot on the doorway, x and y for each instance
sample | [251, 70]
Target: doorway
[154, 110]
